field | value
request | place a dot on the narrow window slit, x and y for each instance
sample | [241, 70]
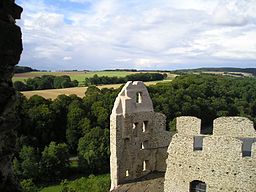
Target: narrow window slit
[138, 97]
[145, 165]
[145, 126]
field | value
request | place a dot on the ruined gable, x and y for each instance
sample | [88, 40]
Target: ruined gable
[138, 137]
[224, 161]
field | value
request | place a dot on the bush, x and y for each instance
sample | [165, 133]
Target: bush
[89, 184]
[20, 86]
[54, 161]
[28, 186]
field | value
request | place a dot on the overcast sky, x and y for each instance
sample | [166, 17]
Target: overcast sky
[141, 34]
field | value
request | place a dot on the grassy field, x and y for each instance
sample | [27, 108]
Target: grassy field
[79, 76]
[79, 91]
[55, 188]
[85, 184]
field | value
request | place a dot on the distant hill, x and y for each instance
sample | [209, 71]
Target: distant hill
[23, 69]
[221, 69]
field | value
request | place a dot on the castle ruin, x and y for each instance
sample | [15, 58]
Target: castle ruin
[138, 139]
[224, 161]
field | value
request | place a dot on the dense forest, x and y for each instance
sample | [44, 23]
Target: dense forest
[52, 131]
[103, 80]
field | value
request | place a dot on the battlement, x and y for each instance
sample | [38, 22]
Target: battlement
[133, 98]
[223, 161]
[222, 126]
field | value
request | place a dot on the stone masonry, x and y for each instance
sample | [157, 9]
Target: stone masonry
[224, 161]
[138, 137]
[10, 51]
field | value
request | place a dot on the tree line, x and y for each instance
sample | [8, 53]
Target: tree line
[51, 131]
[45, 82]
[103, 80]
[23, 69]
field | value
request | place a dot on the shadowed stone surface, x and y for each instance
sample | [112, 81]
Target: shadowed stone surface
[10, 51]
[154, 182]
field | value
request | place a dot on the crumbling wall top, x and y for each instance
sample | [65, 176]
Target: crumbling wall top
[133, 98]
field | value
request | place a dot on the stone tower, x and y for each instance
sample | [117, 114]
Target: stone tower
[138, 139]
[222, 162]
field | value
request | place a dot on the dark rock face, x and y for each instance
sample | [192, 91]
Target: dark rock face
[10, 51]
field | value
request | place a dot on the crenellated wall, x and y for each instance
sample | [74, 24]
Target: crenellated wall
[224, 161]
[138, 137]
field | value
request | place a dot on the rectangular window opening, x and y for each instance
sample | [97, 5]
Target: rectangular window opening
[197, 186]
[145, 126]
[135, 125]
[145, 165]
[144, 145]
[134, 129]
[198, 143]
[247, 146]
[127, 173]
[138, 97]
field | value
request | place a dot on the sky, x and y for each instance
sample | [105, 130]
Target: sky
[138, 34]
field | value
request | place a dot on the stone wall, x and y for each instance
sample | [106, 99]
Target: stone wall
[138, 139]
[224, 161]
[10, 51]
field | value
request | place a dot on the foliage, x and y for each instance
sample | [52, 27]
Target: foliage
[206, 97]
[103, 80]
[75, 114]
[54, 161]
[23, 69]
[45, 82]
[93, 150]
[20, 86]
[64, 82]
[92, 183]
[28, 186]
[26, 166]
[230, 70]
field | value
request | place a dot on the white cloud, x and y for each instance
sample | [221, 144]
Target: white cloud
[138, 34]
[144, 63]
[66, 58]
[122, 59]
[225, 15]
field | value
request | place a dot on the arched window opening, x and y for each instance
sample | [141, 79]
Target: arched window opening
[197, 186]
